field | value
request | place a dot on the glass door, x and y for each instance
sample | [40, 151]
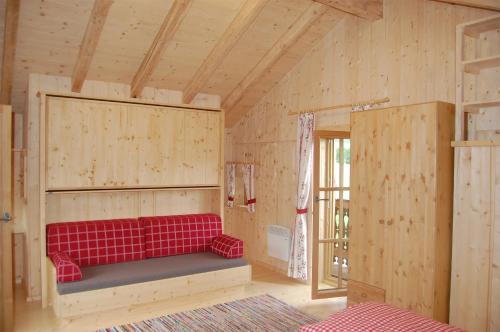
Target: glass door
[331, 214]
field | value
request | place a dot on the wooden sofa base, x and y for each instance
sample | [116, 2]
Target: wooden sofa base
[115, 297]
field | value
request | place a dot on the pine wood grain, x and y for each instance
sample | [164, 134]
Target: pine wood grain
[89, 43]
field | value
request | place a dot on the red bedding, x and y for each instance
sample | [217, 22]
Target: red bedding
[375, 317]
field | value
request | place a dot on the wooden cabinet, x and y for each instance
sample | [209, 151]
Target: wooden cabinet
[475, 277]
[95, 144]
[117, 158]
[401, 206]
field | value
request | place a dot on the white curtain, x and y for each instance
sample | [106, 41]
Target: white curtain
[248, 180]
[231, 184]
[297, 264]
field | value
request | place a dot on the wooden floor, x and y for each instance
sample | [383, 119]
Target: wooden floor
[30, 316]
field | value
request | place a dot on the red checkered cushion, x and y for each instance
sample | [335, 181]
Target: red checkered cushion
[183, 234]
[374, 317]
[98, 242]
[227, 246]
[66, 268]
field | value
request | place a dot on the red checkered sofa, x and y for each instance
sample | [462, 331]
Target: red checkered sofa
[72, 246]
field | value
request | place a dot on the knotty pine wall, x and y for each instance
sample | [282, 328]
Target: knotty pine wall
[408, 56]
[93, 205]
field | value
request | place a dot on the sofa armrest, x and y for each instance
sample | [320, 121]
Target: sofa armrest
[66, 268]
[227, 246]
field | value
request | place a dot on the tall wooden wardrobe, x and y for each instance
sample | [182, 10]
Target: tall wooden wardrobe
[401, 211]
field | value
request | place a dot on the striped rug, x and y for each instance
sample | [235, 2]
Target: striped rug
[260, 313]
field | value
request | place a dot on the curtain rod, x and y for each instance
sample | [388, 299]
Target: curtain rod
[242, 163]
[333, 107]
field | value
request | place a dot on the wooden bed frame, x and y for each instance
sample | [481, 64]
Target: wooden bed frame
[74, 304]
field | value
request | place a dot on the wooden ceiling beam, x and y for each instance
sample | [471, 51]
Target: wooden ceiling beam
[481, 4]
[89, 43]
[293, 33]
[9, 50]
[371, 10]
[240, 24]
[164, 36]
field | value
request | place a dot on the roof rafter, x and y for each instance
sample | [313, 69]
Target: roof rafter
[9, 49]
[167, 31]
[368, 9]
[89, 43]
[482, 4]
[293, 33]
[240, 24]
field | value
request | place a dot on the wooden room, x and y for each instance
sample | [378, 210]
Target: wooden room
[249, 165]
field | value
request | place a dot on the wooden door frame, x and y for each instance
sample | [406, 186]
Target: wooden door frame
[315, 293]
[6, 269]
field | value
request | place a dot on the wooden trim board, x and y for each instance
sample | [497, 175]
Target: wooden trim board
[136, 101]
[9, 49]
[115, 297]
[359, 292]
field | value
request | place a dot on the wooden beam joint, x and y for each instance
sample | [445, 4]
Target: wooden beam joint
[371, 10]
[289, 38]
[165, 34]
[240, 24]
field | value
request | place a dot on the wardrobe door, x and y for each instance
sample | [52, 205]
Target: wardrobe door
[370, 263]
[475, 277]
[400, 238]
[413, 195]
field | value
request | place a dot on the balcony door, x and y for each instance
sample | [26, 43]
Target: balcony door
[331, 214]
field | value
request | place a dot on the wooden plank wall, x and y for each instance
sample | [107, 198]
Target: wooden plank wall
[475, 277]
[108, 205]
[495, 258]
[117, 205]
[408, 56]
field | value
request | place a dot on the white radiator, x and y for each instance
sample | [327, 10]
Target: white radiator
[278, 242]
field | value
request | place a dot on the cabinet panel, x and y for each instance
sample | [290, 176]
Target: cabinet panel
[471, 240]
[475, 278]
[394, 242]
[495, 261]
[97, 144]
[369, 139]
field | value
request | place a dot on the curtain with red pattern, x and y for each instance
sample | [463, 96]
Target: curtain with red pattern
[248, 180]
[297, 263]
[231, 184]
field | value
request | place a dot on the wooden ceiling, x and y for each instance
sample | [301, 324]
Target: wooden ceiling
[137, 43]
[237, 49]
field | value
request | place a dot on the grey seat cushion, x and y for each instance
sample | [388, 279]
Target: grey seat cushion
[111, 275]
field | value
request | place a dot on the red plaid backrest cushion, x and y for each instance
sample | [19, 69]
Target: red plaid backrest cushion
[98, 242]
[227, 246]
[182, 234]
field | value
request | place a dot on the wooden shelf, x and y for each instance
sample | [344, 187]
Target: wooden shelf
[474, 143]
[474, 29]
[476, 105]
[476, 65]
